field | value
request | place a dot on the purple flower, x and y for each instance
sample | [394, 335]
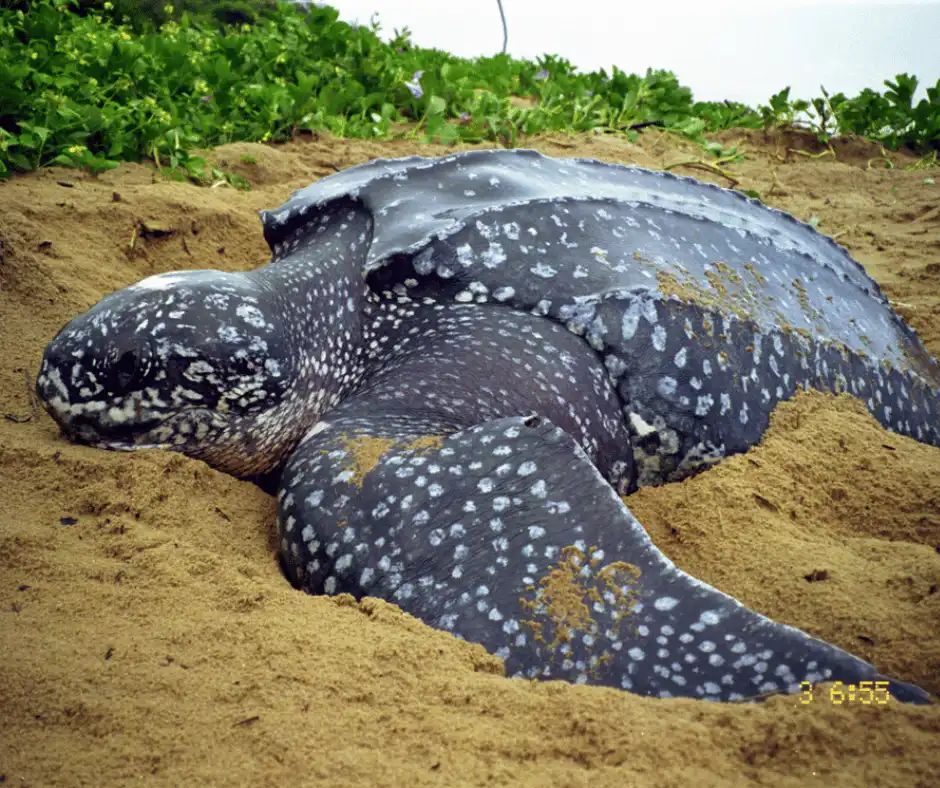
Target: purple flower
[543, 74]
[206, 99]
[415, 85]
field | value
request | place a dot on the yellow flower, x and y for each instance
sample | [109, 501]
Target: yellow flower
[282, 58]
[76, 149]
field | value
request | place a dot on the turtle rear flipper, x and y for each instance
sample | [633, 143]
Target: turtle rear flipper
[506, 535]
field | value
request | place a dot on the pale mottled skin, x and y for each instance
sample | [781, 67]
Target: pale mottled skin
[457, 364]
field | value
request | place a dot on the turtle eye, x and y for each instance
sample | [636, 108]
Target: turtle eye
[130, 367]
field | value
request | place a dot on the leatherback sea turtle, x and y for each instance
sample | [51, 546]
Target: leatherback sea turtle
[459, 364]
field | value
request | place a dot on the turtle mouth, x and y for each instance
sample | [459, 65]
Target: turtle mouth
[131, 438]
[160, 432]
[120, 437]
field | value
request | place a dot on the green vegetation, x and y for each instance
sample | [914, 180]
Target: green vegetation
[90, 84]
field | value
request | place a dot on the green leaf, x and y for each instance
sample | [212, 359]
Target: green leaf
[436, 106]
[40, 131]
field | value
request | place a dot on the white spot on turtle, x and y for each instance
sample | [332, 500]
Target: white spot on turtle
[251, 315]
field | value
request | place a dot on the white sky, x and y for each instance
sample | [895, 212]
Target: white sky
[744, 50]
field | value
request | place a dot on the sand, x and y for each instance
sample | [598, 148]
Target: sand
[149, 638]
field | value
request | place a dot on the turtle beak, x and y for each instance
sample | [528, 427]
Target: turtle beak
[53, 394]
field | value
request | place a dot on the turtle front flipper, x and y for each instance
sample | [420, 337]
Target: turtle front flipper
[505, 534]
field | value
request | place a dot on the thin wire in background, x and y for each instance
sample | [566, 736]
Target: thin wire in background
[502, 16]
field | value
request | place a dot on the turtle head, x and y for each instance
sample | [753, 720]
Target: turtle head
[197, 362]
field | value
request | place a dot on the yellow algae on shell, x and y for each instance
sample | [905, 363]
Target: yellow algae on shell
[366, 453]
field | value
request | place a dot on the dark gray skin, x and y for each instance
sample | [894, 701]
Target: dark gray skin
[444, 443]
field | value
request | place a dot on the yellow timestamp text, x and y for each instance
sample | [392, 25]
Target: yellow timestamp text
[867, 693]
